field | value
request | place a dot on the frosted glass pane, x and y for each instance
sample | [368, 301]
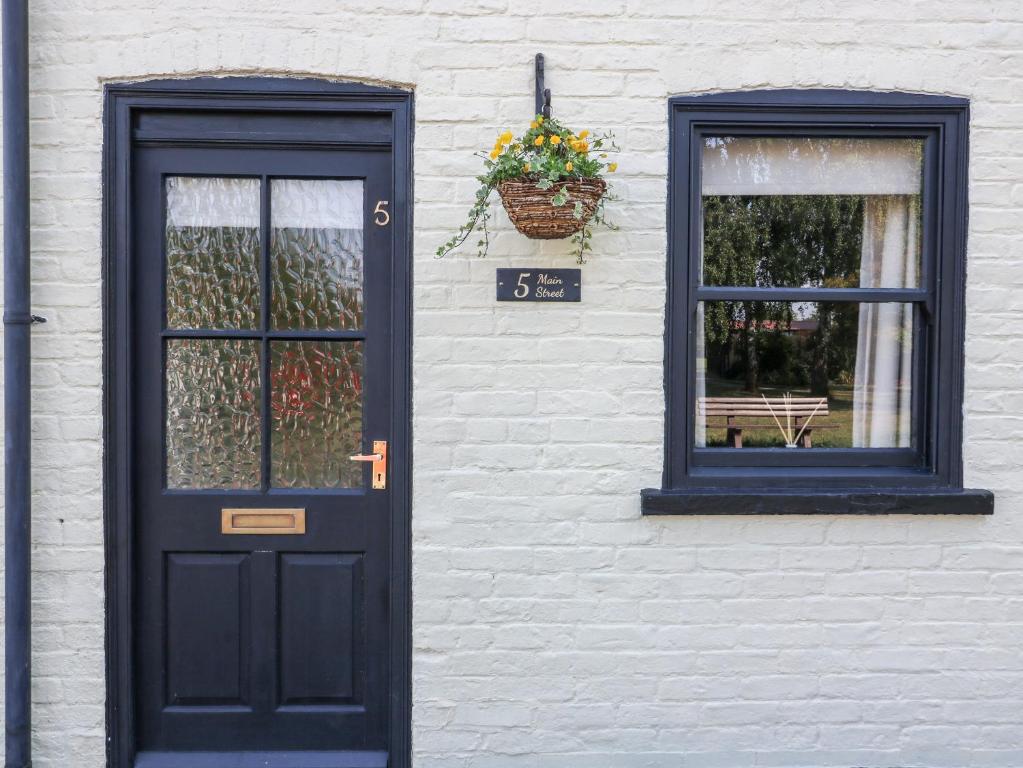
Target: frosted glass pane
[212, 247]
[316, 253]
[213, 423]
[316, 406]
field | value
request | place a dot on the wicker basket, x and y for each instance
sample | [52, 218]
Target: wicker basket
[531, 211]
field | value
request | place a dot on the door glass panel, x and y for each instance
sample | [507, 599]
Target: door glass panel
[316, 407]
[212, 247]
[316, 254]
[213, 423]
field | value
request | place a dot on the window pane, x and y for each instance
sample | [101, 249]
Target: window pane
[213, 424]
[212, 247]
[811, 212]
[812, 374]
[316, 253]
[316, 403]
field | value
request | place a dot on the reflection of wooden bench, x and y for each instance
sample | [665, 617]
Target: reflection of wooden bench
[735, 414]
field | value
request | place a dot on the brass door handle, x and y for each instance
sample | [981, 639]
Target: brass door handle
[379, 459]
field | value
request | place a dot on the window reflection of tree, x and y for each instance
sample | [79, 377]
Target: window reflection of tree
[784, 240]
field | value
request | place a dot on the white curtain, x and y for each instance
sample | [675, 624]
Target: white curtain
[701, 376]
[196, 201]
[316, 204]
[882, 397]
[733, 165]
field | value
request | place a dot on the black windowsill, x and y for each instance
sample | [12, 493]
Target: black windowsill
[808, 502]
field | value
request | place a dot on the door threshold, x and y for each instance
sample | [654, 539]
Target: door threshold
[261, 759]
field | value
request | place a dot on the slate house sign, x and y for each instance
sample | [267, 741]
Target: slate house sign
[539, 284]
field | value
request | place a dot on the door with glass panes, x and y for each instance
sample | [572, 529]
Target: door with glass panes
[261, 375]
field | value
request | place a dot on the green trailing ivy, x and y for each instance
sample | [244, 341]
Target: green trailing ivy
[547, 153]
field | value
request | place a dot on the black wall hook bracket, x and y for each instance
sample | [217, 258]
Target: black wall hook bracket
[543, 95]
[18, 318]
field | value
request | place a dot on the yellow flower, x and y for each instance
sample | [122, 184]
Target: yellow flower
[612, 167]
[538, 140]
[583, 134]
[532, 125]
[555, 139]
[527, 167]
[506, 137]
[568, 167]
[516, 147]
[495, 154]
[584, 147]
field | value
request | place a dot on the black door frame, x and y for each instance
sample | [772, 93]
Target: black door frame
[219, 99]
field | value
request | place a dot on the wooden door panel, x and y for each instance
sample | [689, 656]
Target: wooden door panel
[322, 629]
[208, 629]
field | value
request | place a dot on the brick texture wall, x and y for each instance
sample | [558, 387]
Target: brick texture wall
[553, 626]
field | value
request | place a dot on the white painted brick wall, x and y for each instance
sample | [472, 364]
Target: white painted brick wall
[554, 627]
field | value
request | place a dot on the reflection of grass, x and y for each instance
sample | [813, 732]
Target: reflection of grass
[840, 415]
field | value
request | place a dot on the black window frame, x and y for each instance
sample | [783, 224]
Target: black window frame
[925, 478]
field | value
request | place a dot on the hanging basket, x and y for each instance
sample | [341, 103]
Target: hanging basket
[531, 211]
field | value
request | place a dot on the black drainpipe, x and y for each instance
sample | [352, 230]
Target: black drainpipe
[17, 403]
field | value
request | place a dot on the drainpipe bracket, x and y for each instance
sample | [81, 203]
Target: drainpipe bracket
[15, 318]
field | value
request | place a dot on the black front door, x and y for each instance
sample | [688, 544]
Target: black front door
[261, 362]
